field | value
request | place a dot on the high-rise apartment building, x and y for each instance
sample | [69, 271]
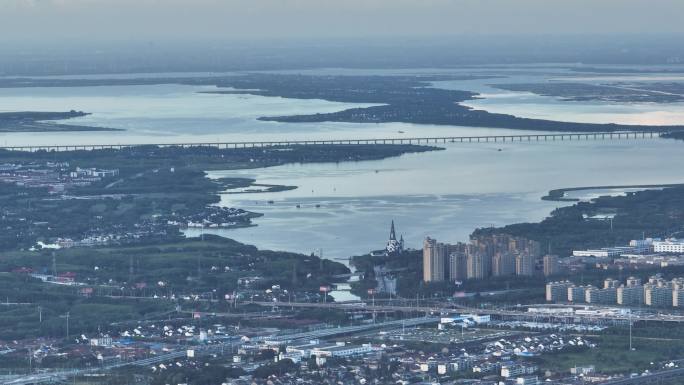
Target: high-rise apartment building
[524, 264]
[576, 294]
[631, 293]
[558, 291]
[503, 264]
[659, 295]
[434, 260]
[458, 266]
[478, 266]
[551, 266]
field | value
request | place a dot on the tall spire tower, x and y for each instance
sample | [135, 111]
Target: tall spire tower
[394, 246]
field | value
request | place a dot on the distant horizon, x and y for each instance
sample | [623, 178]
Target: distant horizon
[398, 39]
[142, 20]
[220, 55]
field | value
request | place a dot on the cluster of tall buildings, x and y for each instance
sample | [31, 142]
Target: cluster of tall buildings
[656, 292]
[485, 256]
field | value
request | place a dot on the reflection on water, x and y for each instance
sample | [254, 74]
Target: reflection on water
[178, 113]
[342, 227]
[529, 105]
[587, 195]
[444, 194]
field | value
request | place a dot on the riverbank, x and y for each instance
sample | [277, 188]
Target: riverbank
[142, 265]
[653, 213]
[32, 121]
[673, 135]
[404, 99]
[559, 195]
[151, 193]
[409, 99]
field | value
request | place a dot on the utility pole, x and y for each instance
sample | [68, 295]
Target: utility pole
[630, 330]
[372, 293]
[130, 270]
[199, 268]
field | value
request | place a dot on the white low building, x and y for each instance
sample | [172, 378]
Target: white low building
[101, 341]
[341, 350]
[670, 245]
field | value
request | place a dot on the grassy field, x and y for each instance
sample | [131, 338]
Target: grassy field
[612, 355]
[188, 266]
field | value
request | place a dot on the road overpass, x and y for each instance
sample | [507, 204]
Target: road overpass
[659, 377]
[567, 136]
[456, 309]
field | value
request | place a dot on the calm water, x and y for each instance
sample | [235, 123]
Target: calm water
[445, 194]
[530, 105]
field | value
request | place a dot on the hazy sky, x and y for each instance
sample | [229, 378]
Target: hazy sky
[225, 19]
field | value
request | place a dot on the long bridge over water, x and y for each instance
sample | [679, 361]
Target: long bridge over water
[568, 136]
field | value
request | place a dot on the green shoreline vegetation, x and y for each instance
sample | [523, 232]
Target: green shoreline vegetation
[250, 186]
[657, 213]
[558, 195]
[30, 121]
[583, 225]
[152, 184]
[659, 92]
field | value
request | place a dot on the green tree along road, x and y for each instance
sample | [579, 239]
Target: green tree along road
[152, 183]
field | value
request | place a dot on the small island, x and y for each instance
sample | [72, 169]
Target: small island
[34, 121]
[619, 92]
[559, 195]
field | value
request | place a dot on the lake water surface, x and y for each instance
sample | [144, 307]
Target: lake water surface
[444, 194]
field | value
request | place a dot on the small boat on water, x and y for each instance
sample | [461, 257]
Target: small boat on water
[270, 202]
[298, 206]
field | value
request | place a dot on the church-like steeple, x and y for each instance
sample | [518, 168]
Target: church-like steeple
[394, 246]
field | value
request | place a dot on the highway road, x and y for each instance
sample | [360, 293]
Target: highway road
[56, 376]
[471, 310]
[658, 377]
